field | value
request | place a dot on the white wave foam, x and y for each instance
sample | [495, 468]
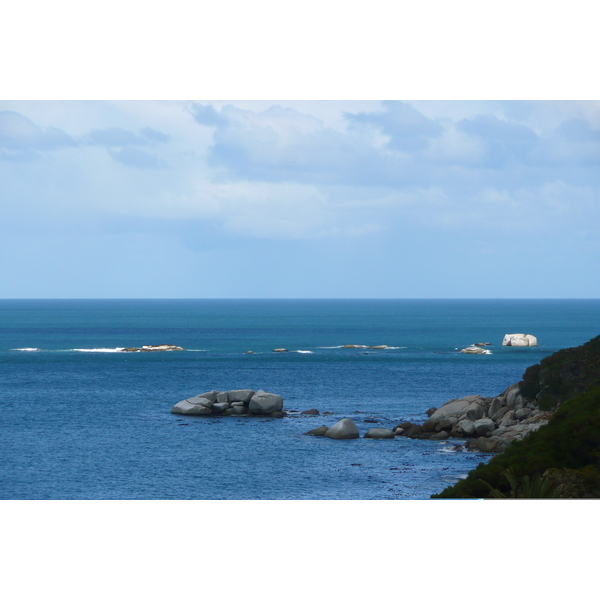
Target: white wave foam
[304, 351]
[96, 350]
[27, 349]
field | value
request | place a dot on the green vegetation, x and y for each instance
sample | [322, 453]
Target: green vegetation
[563, 375]
[539, 487]
[563, 456]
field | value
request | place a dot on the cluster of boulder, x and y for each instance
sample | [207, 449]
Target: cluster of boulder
[491, 424]
[159, 348]
[234, 402]
[346, 429]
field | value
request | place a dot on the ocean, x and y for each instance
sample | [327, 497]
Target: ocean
[79, 419]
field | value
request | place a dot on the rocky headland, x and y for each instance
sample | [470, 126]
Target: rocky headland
[553, 451]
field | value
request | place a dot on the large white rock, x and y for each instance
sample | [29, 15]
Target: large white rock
[343, 430]
[519, 339]
[263, 403]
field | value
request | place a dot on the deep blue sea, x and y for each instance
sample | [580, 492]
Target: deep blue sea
[81, 420]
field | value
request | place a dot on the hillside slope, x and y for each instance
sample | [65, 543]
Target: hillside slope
[566, 452]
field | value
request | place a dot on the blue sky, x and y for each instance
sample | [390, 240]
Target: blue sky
[300, 199]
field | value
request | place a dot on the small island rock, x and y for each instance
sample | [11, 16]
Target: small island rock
[519, 339]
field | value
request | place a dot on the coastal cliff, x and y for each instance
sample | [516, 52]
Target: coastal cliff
[563, 457]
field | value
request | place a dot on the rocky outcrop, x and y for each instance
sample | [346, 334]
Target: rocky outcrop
[519, 339]
[489, 424]
[475, 349]
[159, 348]
[343, 430]
[233, 402]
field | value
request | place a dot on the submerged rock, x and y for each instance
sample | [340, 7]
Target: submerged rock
[380, 433]
[319, 431]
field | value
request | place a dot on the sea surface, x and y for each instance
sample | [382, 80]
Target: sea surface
[81, 420]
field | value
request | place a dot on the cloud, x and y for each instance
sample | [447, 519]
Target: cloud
[155, 136]
[578, 130]
[21, 139]
[503, 140]
[113, 137]
[408, 130]
[206, 115]
[133, 157]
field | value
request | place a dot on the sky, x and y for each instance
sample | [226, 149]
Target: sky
[299, 199]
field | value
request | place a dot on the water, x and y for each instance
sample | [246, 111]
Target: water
[80, 420]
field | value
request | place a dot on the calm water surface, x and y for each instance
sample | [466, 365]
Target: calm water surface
[80, 420]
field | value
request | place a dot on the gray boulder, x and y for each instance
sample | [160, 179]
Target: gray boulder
[200, 400]
[219, 407]
[497, 404]
[263, 403]
[240, 395]
[446, 423]
[380, 433]
[483, 426]
[466, 427]
[499, 415]
[222, 397]
[212, 395]
[343, 430]
[440, 435]
[187, 408]
[475, 412]
[522, 413]
[453, 408]
[318, 431]
[310, 411]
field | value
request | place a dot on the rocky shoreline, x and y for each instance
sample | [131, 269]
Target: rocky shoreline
[489, 424]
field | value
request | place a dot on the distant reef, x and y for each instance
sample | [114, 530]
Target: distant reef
[558, 460]
[159, 348]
